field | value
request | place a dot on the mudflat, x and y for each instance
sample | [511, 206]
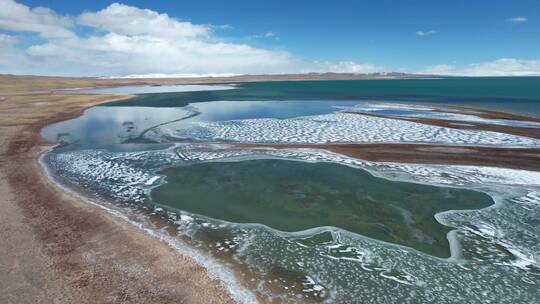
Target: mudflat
[516, 158]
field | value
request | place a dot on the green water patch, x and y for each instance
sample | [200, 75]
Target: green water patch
[293, 196]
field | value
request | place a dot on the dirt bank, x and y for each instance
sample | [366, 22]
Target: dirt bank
[55, 248]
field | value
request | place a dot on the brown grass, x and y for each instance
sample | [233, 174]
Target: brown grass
[55, 248]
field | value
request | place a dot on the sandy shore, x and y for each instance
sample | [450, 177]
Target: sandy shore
[55, 248]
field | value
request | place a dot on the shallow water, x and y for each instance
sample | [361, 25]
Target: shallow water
[116, 127]
[321, 228]
[295, 196]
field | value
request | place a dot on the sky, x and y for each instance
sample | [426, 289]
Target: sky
[105, 38]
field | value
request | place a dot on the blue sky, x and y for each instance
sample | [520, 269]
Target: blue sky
[454, 37]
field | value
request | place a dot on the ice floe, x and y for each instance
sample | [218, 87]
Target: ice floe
[405, 110]
[343, 128]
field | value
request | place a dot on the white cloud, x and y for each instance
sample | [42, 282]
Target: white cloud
[503, 67]
[267, 35]
[518, 19]
[128, 20]
[20, 18]
[426, 33]
[130, 40]
[499, 67]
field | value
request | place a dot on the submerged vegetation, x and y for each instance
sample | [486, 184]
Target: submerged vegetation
[292, 196]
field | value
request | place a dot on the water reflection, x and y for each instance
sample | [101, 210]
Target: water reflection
[108, 127]
[122, 128]
[233, 110]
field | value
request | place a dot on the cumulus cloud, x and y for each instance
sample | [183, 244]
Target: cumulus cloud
[499, 67]
[426, 33]
[128, 20]
[18, 17]
[122, 39]
[518, 19]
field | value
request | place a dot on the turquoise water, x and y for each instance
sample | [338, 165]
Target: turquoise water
[321, 228]
[514, 94]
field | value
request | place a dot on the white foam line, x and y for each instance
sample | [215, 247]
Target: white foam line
[215, 269]
[152, 180]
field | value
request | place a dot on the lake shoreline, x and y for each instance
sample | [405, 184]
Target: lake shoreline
[58, 248]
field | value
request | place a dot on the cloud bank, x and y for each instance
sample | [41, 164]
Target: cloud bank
[499, 67]
[122, 39]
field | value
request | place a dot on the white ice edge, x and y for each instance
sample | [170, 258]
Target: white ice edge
[428, 112]
[499, 176]
[454, 243]
[223, 155]
[216, 270]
